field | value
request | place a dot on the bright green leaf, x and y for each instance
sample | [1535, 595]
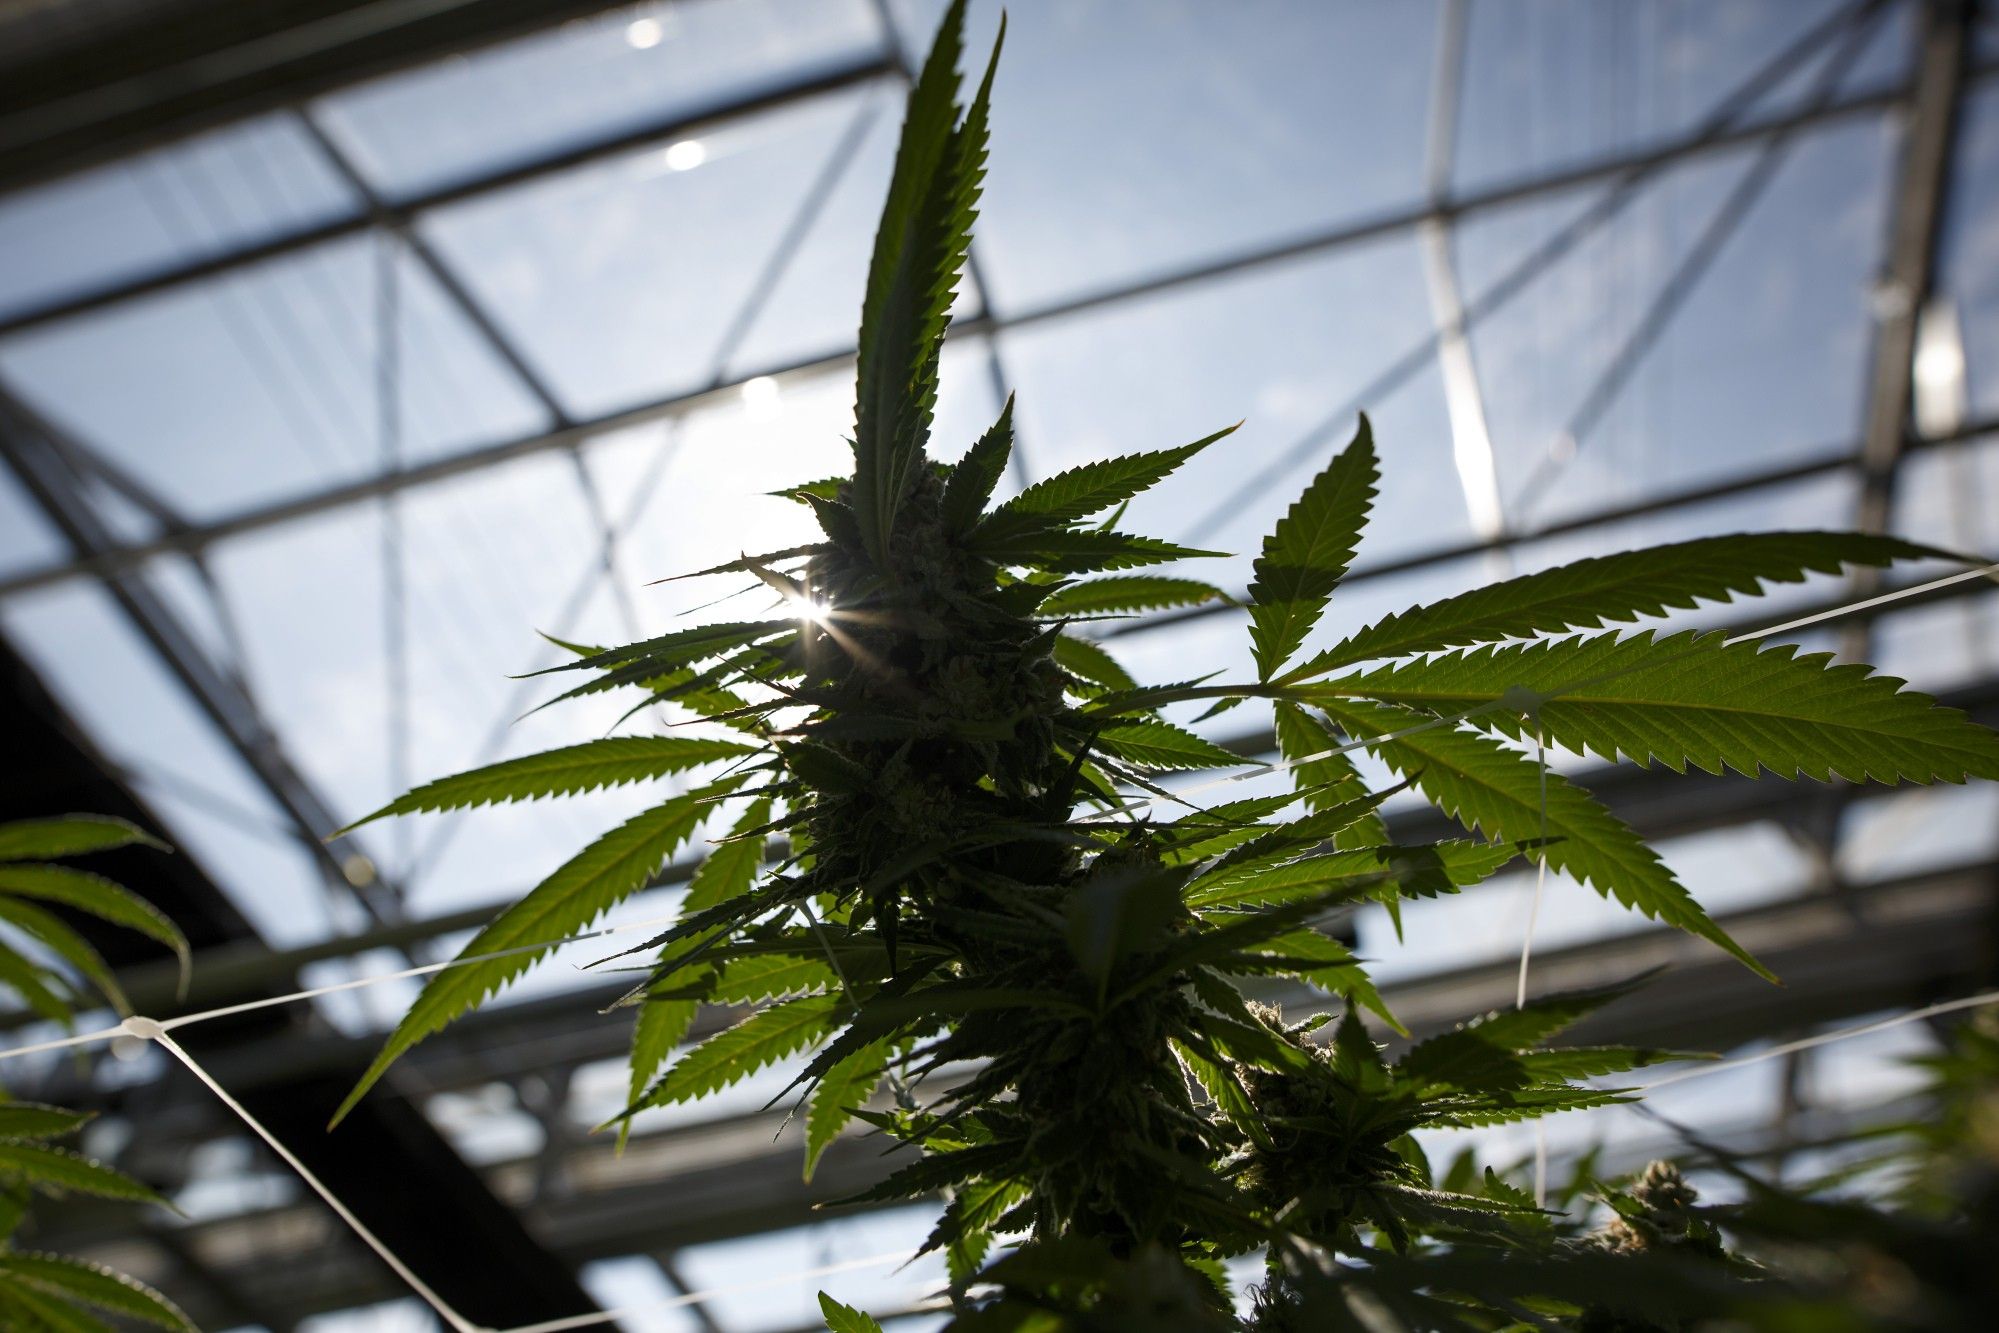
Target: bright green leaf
[614, 867]
[846, 1085]
[70, 835]
[1128, 592]
[613, 761]
[1615, 589]
[1496, 791]
[1695, 699]
[1308, 554]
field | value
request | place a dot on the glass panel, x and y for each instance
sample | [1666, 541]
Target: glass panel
[1946, 495]
[216, 812]
[619, 1284]
[262, 384]
[192, 201]
[404, 1316]
[891, 1234]
[1288, 347]
[1762, 363]
[622, 278]
[586, 81]
[815, 307]
[489, 558]
[1816, 503]
[1558, 83]
[1133, 139]
[1913, 831]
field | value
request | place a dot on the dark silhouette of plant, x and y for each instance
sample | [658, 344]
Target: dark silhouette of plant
[982, 902]
[52, 1293]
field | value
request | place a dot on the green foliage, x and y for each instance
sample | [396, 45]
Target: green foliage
[26, 880]
[979, 873]
[1696, 699]
[1129, 592]
[49, 1291]
[1615, 589]
[610, 762]
[845, 1318]
[1305, 558]
[582, 889]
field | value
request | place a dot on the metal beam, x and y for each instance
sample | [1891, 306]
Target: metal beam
[1471, 438]
[139, 76]
[1922, 183]
[652, 133]
[391, 1166]
[446, 466]
[33, 449]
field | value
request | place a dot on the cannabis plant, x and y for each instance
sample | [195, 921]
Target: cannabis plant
[985, 897]
[51, 1293]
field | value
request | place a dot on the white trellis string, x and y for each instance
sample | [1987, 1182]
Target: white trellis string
[1824, 1039]
[156, 1031]
[149, 1030]
[298, 996]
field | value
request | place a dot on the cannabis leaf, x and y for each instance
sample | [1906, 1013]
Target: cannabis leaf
[1304, 559]
[1697, 699]
[1078, 550]
[925, 228]
[1087, 659]
[845, 1318]
[54, 1170]
[1128, 592]
[847, 1085]
[92, 894]
[1498, 792]
[1086, 489]
[733, 1054]
[1322, 771]
[1616, 589]
[582, 889]
[978, 472]
[1153, 742]
[610, 762]
[71, 835]
[78, 1282]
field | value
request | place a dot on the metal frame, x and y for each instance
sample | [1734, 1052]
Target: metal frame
[509, 1042]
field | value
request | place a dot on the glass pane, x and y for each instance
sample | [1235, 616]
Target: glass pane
[622, 278]
[892, 1235]
[1133, 139]
[489, 558]
[27, 539]
[191, 201]
[1286, 347]
[816, 305]
[262, 384]
[1557, 83]
[586, 81]
[635, 1280]
[214, 808]
[1761, 364]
